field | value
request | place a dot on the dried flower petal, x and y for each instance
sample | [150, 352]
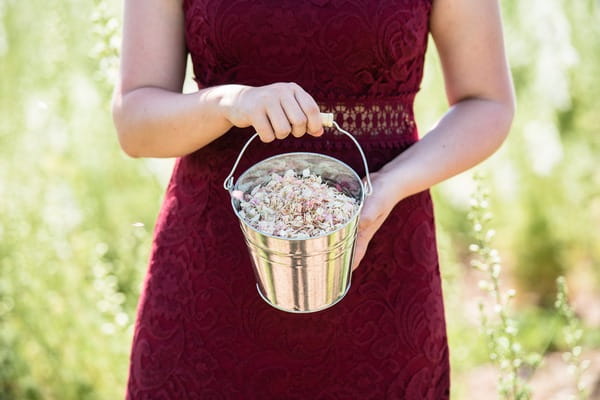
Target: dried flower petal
[297, 206]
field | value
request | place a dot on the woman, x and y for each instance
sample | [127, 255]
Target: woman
[202, 331]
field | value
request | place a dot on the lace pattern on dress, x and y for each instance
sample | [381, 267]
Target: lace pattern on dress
[377, 117]
[376, 123]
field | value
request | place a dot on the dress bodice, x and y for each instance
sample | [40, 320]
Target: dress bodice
[361, 59]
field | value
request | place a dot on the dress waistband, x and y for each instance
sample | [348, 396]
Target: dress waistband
[374, 118]
[375, 123]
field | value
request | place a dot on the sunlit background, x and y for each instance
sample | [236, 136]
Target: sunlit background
[76, 214]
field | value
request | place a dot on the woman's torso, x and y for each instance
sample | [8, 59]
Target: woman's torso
[360, 59]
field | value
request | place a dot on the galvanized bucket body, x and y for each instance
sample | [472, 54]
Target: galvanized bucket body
[302, 275]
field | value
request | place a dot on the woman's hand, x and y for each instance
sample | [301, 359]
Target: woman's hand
[274, 110]
[374, 212]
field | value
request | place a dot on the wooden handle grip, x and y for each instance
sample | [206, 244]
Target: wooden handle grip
[327, 119]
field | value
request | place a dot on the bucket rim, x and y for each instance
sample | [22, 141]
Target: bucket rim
[354, 216]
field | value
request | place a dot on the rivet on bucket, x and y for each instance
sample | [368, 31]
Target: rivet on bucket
[302, 275]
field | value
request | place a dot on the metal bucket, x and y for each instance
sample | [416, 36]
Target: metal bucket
[302, 275]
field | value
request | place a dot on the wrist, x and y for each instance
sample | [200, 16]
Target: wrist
[227, 96]
[396, 182]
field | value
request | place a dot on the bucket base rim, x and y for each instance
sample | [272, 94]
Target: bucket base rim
[303, 311]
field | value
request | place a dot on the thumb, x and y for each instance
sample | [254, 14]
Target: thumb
[360, 248]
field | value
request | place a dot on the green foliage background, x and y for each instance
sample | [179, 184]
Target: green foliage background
[76, 215]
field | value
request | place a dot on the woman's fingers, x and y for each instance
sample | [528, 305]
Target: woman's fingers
[310, 108]
[359, 251]
[373, 214]
[295, 115]
[275, 111]
[279, 121]
[263, 127]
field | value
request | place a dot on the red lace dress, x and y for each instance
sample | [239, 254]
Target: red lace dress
[202, 331]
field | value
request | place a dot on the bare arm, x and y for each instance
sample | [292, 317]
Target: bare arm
[154, 119]
[468, 36]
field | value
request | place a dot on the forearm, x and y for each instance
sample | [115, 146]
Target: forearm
[154, 122]
[470, 132]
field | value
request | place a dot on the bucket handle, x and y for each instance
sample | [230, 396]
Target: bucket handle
[328, 121]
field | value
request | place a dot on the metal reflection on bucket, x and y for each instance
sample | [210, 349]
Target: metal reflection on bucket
[309, 274]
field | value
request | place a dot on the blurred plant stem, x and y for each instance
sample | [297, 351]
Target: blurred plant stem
[573, 333]
[498, 326]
